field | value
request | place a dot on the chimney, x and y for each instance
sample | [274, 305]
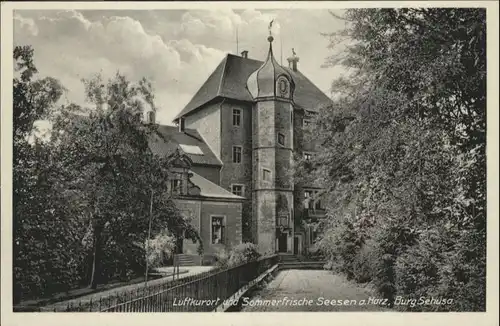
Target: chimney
[244, 54]
[151, 117]
[293, 60]
[181, 124]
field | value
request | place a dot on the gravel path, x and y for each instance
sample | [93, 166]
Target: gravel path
[311, 289]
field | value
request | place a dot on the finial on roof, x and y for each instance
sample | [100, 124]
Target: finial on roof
[293, 52]
[270, 38]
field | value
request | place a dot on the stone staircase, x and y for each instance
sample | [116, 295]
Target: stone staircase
[187, 260]
[288, 261]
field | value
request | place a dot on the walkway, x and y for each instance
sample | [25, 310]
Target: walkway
[311, 289]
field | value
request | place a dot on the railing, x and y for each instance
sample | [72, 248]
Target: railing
[197, 293]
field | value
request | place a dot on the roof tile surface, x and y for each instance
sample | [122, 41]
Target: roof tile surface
[229, 80]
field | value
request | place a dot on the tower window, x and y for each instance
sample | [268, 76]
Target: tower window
[281, 139]
[306, 123]
[307, 156]
[238, 190]
[236, 154]
[236, 117]
[218, 230]
[266, 175]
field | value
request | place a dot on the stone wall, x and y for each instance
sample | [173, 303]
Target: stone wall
[207, 121]
[273, 197]
[200, 212]
[238, 173]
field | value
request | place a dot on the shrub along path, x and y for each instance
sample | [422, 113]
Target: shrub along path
[315, 287]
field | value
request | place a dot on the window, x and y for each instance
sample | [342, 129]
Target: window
[308, 197]
[266, 175]
[237, 190]
[177, 186]
[281, 139]
[236, 154]
[307, 156]
[176, 183]
[317, 204]
[283, 220]
[306, 122]
[218, 229]
[313, 234]
[236, 117]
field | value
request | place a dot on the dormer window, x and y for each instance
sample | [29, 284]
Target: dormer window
[177, 184]
[191, 149]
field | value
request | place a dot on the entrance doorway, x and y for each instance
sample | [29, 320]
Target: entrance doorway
[295, 245]
[282, 240]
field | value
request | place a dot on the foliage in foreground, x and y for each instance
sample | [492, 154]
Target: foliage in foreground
[240, 254]
[83, 194]
[403, 155]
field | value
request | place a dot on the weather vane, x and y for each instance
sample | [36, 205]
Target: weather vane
[270, 26]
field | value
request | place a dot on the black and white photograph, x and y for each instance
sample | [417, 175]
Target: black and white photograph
[232, 158]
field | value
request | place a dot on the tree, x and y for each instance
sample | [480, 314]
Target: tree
[117, 172]
[82, 197]
[403, 148]
[44, 232]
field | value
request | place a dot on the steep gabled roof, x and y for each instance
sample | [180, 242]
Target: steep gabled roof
[229, 80]
[171, 139]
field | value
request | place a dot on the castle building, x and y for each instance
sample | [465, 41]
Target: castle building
[240, 134]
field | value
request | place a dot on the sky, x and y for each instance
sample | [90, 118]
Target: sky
[175, 49]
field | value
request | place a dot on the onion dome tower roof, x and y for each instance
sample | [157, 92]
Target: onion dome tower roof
[271, 79]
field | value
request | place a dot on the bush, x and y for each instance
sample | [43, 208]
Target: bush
[340, 244]
[221, 258]
[443, 264]
[240, 254]
[159, 249]
[463, 275]
[243, 253]
[364, 262]
[390, 239]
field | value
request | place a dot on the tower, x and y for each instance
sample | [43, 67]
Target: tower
[272, 88]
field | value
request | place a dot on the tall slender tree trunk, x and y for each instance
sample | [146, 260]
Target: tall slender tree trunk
[96, 259]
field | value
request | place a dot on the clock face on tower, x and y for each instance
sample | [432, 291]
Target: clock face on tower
[282, 86]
